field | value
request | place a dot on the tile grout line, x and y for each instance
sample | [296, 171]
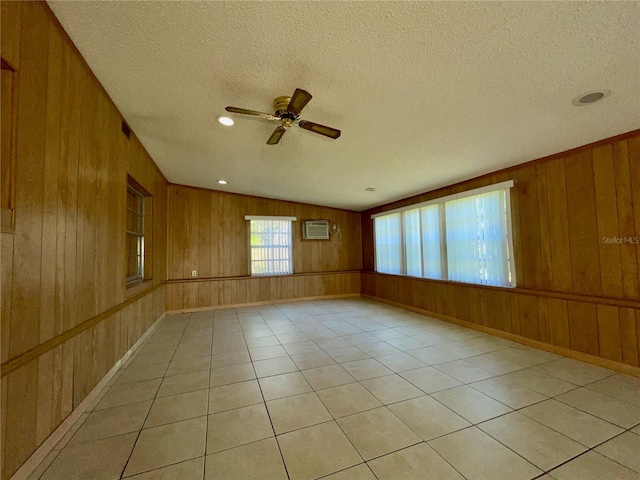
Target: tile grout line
[152, 402]
[206, 425]
[264, 401]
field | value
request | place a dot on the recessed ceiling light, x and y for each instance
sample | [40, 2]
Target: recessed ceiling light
[590, 97]
[222, 182]
[226, 121]
[370, 189]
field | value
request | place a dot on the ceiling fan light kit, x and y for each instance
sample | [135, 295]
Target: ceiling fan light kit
[287, 112]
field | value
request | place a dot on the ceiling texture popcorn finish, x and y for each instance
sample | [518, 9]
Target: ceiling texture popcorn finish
[426, 94]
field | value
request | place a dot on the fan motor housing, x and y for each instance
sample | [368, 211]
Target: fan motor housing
[280, 105]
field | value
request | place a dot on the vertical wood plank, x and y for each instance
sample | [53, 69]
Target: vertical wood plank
[529, 230]
[558, 322]
[204, 234]
[29, 182]
[583, 327]
[543, 319]
[634, 172]
[62, 183]
[544, 214]
[559, 226]
[583, 230]
[21, 418]
[609, 332]
[624, 199]
[6, 275]
[45, 397]
[607, 220]
[52, 162]
[71, 197]
[629, 334]
[528, 313]
[3, 422]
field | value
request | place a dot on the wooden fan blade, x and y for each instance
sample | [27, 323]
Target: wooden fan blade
[321, 129]
[298, 101]
[244, 111]
[276, 135]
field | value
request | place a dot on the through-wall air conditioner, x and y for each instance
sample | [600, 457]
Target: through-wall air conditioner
[315, 230]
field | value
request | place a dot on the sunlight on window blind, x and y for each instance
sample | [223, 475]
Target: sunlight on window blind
[431, 241]
[412, 245]
[387, 231]
[271, 247]
[477, 239]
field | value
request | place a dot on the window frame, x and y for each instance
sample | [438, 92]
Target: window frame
[143, 270]
[265, 218]
[441, 202]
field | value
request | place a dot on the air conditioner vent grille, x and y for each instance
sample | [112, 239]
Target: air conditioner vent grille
[315, 230]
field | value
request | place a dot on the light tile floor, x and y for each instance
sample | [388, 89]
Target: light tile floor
[349, 389]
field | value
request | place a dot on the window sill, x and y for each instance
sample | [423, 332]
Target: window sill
[134, 288]
[440, 280]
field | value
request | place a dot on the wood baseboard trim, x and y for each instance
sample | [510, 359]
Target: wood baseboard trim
[68, 423]
[565, 352]
[266, 302]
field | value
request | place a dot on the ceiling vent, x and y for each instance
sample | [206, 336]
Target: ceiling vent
[315, 230]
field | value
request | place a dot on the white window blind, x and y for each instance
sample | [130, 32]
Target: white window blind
[412, 245]
[464, 238]
[431, 252]
[271, 246]
[388, 242]
[477, 239]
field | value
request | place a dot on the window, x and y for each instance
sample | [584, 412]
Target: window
[270, 244]
[135, 233]
[388, 244]
[464, 238]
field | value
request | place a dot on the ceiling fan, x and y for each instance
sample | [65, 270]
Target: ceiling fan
[287, 111]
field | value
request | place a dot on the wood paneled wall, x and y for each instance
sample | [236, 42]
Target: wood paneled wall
[208, 234]
[64, 264]
[575, 287]
[190, 295]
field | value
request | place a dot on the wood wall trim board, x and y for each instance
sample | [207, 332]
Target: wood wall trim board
[29, 466]
[266, 302]
[616, 302]
[594, 360]
[461, 185]
[138, 288]
[24, 358]
[249, 277]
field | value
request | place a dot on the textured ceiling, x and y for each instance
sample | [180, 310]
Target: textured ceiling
[426, 94]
